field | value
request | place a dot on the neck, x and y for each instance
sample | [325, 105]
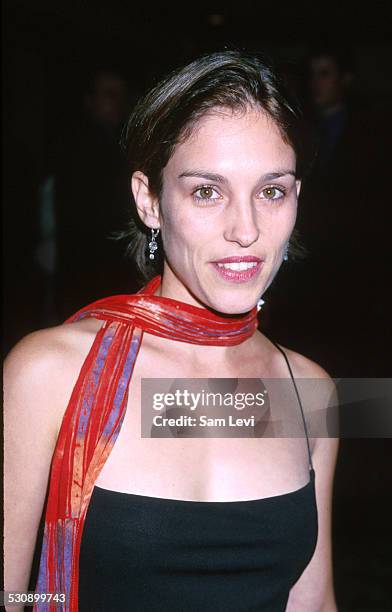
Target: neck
[201, 355]
[172, 287]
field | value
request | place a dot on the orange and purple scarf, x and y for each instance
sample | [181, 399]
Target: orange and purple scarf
[94, 415]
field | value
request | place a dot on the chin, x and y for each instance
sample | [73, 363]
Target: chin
[232, 306]
[229, 300]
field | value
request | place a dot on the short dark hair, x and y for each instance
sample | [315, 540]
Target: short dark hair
[168, 112]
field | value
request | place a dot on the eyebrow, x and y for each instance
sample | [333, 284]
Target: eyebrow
[218, 178]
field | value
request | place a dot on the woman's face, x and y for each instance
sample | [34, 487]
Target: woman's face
[227, 210]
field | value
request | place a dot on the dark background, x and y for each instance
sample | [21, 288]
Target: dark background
[49, 51]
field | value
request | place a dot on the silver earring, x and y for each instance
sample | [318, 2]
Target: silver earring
[152, 245]
[286, 252]
[259, 304]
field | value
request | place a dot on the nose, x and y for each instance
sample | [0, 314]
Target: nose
[242, 226]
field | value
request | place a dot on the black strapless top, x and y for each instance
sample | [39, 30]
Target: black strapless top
[153, 554]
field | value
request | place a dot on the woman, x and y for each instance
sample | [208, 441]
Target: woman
[171, 524]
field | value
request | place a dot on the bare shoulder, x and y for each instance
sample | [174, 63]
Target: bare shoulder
[319, 399]
[303, 367]
[312, 378]
[42, 352]
[42, 368]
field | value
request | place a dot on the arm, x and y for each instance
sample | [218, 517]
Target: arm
[314, 590]
[30, 428]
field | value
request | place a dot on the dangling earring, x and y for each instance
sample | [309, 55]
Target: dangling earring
[152, 245]
[286, 252]
[259, 304]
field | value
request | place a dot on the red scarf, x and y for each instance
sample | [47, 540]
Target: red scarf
[94, 415]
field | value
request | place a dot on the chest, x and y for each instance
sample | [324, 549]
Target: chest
[199, 468]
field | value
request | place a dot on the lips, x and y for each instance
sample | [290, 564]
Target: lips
[238, 259]
[238, 269]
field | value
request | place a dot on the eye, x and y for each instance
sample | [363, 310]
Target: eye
[273, 193]
[205, 194]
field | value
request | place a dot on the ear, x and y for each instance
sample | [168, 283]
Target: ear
[298, 186]
[147, 205]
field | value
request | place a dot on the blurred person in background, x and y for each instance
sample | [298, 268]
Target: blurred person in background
[342, 221]
[330, 75]
[91, 199]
